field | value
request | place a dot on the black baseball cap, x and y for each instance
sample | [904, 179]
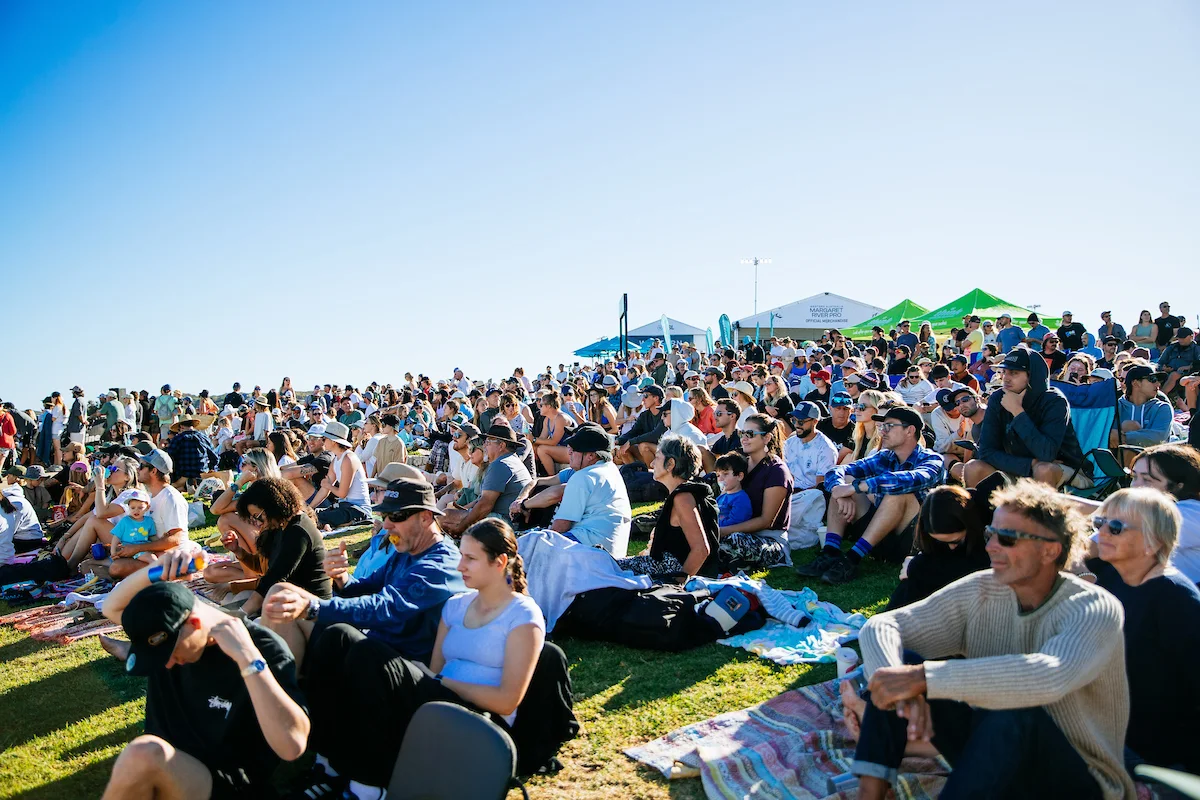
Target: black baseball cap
[903, 415]
[1111, 340]
[152, 620]
[1017, 359]
[407, 495]
[1140, 373]
[655, 390]
[945, 399]
[1183, 333]
[589, 438]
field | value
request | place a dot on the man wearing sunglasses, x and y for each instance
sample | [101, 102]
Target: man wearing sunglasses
[399, 604]
[1145, 417]
[877, 499]
[1027, 430]
[1037, 702]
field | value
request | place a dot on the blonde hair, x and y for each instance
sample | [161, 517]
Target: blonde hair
[1154, 512]
[1055, 512]
[875, 399]
[263, 461]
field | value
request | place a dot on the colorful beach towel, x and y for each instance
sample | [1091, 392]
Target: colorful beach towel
[802, 630]
[788, 747]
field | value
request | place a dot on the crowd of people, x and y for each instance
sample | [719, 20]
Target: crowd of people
[952, 457]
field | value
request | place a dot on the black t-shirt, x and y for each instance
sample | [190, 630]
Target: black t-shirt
[1056, 361]
[296, 555]
[235, 399]
[1073, 336]
[842, 437]
[204, 709]
[719, 393]
[727, 444]
[899, 366]
[1166, 330]
[322, 461]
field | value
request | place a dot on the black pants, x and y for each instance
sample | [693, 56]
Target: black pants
[1001, 754]
[362, 695]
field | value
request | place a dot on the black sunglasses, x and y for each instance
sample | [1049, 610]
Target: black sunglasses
[1008, 538]
[400, 516]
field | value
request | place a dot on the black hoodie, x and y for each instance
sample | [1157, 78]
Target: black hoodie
[1044, 432]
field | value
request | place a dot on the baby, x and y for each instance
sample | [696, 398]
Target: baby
[136, 527]
[733, 504]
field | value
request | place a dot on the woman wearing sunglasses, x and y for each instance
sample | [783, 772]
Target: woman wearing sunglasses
[288, 540]
[949, 544]
[761, 541]
[866, 436]
[1136, 532]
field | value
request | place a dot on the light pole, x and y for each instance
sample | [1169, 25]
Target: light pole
[755, 260]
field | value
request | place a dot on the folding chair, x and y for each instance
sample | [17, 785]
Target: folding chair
[1094, 416]
[450, 753]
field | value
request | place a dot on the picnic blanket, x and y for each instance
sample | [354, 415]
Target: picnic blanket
[54, 623]
[802, 630]
[788, 747]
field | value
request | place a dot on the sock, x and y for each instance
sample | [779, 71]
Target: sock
[860, 551]
[833, 544]
[323, 763]
[364, 792]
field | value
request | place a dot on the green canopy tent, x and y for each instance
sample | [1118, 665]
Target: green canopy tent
[905, 309]
[987, 306]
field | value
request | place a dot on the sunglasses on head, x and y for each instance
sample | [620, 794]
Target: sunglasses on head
[1115, 526]
[1008, 538]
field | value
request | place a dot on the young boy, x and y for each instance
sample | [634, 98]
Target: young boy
[733, 504]
[136, 527]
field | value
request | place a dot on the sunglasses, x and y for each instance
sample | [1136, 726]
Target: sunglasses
[860, 407]
[1115, 526]
[1008, 538]
[751, 433]
[399, 516]
[258, 519]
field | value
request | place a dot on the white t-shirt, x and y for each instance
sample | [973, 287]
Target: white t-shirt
[476, 655]
[59, 417]
[168, 509]
[596, 502]
[808, 461]
[912, 395]
[1186, 557]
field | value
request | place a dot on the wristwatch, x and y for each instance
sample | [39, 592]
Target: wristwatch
[254, 667]
[314, 608]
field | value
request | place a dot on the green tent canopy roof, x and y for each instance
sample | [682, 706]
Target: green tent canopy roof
[905, 309]
[987, 306]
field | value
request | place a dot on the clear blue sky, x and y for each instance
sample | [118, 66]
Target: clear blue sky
[340, 192]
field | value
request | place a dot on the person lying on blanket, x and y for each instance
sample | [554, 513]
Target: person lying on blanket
[1038, 702]
[222, 703]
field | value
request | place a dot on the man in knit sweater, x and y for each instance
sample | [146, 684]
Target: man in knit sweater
[1038, 703]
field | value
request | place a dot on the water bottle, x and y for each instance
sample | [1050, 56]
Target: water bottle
[198, 562]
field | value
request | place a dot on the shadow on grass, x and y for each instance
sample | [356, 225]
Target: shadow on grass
[118, 737]
[54, 702]
[88, 781]
[646, 675]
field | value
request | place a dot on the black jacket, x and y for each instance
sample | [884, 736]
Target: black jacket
[647, 429]
[1043, 432]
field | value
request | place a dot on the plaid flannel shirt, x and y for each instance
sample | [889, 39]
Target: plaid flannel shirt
[884, 473]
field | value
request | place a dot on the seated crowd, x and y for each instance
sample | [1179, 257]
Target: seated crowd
[998, 650]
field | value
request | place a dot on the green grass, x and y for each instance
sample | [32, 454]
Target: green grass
[66, 712]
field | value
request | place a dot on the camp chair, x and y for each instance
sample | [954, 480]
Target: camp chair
[450, 753]
[1094, 416]
[1185, 783]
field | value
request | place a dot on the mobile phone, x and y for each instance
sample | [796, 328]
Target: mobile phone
[965, 444]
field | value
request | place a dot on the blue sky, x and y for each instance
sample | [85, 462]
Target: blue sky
[341, 192]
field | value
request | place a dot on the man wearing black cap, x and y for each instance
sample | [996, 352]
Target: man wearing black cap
[1145, 418]
[948, 427]
[972, 409]
[595, 506]
[1027, 429]
[1181, 357]
[640, 442]
[400, 603]
[1109, 347]
[222, 703]
[877, 498]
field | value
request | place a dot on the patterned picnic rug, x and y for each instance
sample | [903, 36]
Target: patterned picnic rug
[788, 747]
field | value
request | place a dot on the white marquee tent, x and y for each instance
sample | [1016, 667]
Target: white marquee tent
[807, 318]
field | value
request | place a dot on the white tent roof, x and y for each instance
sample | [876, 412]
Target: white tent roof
[677, 329]
[824, 310]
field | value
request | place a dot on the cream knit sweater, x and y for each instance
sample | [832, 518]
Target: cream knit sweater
[1068, 656]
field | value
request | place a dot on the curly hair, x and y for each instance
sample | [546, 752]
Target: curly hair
[279, 500]
[1055, 512]
[496, 537]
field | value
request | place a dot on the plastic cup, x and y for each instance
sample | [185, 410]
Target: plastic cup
[847, 660]
[99, 551]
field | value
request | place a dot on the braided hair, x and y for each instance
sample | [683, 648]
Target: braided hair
[496, 537]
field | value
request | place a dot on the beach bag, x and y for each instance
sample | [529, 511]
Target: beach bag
[196, 518]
